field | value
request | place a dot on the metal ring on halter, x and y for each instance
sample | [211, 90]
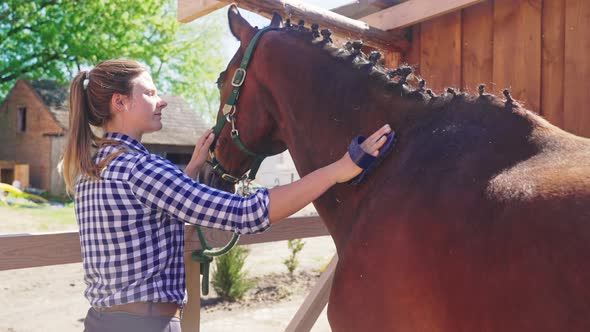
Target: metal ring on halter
[234, 130]
[230, 178]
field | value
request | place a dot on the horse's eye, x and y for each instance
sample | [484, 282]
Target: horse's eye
[221, 80]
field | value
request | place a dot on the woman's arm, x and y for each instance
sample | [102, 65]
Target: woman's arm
[288, 199]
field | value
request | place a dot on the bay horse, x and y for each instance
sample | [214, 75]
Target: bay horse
[479, 219]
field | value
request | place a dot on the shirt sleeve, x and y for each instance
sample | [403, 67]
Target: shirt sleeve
[160, 185]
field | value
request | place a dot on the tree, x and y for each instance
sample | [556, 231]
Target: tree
[54, 39]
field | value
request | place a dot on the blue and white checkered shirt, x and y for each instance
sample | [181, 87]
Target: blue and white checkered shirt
[132, 224]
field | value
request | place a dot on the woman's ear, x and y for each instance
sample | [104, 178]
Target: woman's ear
[118, 103]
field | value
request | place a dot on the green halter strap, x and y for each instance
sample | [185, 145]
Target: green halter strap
[205, 256]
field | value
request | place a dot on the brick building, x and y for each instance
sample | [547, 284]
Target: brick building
[34, 121]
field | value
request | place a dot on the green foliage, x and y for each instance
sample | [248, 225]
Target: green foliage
[54, 39]
[229, 281]
[292, 262]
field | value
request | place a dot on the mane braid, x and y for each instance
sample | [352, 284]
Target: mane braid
[371, 65]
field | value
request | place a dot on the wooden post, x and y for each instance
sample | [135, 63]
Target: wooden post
[191, 316]
[315, 301]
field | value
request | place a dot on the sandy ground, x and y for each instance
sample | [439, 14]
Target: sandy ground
[51, 298]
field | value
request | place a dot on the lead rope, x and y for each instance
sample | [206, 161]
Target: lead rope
[206, 254]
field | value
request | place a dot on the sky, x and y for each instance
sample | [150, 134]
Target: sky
[260, 21]
[256, 19]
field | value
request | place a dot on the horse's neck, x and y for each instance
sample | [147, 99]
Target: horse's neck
[318, 124]
[323, 104]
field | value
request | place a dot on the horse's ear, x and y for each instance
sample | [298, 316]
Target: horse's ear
[238, 26]
[276, 21]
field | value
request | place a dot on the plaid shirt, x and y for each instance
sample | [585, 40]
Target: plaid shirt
[132, 224]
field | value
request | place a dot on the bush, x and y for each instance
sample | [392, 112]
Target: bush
[292, 262]
[229, 281]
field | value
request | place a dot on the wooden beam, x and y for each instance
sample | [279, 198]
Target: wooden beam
[19, 251]
[414, 11]
[191, 314]
[360, 8]
[189, 10]
[341, 26]
[292, 228]
[314, 303]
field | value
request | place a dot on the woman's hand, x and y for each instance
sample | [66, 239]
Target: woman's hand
[345, 169]
[200, 154]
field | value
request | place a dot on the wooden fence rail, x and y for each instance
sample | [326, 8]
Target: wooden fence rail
[18, 251]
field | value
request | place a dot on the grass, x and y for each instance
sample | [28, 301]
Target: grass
[37, 219]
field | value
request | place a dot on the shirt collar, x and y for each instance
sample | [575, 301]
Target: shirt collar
[127, 140]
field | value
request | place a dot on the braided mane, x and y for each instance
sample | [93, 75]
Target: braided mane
[393, 80]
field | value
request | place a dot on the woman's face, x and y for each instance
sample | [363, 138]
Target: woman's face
[144, 108]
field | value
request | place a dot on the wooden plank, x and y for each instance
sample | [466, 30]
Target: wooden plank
[517, 50]
[191, 314]
[441, 52]
[314, 303]
[363, 8]
[292, 228]
[21, 173]
[340, 25]
[31, 250]
[413, 56]
[553, 52]
[478, 51]
[392, 59]
[577, 67]
[189, 10]
[26, 250]
[414, 11]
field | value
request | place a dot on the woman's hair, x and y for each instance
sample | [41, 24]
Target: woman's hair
[90, 104]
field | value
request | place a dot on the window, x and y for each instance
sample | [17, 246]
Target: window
[21, 120]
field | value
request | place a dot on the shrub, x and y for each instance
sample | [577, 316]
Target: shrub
[292, 262]
[229, 280]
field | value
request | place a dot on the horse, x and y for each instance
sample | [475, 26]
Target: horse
[479, 219]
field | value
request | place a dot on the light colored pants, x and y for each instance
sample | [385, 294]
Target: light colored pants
[96, 321]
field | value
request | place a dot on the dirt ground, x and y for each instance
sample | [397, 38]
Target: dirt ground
[49, 299]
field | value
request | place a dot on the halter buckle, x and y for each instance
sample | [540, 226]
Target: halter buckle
[229, 178]
[228, 109]
[239, 77]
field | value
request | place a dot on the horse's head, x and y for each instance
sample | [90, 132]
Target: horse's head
[246, 130]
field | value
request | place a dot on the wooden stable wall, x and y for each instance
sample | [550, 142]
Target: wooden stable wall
[538, 49]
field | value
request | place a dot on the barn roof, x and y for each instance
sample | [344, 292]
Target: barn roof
[182, 125]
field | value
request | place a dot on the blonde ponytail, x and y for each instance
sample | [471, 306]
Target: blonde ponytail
[78, 154]
[90, 98]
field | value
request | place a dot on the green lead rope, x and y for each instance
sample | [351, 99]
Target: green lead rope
[205, 257]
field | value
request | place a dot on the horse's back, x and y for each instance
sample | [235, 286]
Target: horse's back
[511, 258]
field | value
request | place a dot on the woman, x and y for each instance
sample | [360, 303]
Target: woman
[131, 206]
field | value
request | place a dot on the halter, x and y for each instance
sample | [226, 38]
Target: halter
[229, 111]
[205, 255]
